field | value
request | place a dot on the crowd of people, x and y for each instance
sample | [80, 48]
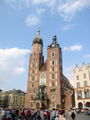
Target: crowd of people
[31, 114]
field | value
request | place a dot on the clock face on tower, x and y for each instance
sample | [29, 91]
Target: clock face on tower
[42, 79]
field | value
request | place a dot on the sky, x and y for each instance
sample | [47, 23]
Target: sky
[69, 20]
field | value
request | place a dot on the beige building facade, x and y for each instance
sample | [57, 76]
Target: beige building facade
[47, 87]
[82, 86]
[12, 99]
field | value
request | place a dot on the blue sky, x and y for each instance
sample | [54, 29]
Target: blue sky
[69, 20]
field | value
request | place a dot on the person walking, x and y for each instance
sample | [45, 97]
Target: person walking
[61, 116]
[73, 116]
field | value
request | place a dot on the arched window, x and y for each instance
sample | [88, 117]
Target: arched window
[80, 105]
[43, 79]
[88, 104]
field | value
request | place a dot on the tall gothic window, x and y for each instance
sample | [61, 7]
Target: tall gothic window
[77, 77]
[43, 79]
[84, 76]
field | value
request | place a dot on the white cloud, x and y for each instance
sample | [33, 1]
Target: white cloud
[44, 2]
[67, 27]
[68, 71]
[68, 9]
[73, 48]
[9, 1]
[65, 8]
[32, 20]
[40, 10]
[39, 1]
[87, 56]
[12, 63]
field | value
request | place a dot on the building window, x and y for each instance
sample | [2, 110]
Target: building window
[53, 98]
[31, 104]
[53, 76]
[32, 85]
[77, 77]
[85, 83]
[43, 79]
[79, 94]
[34, 59]
[53, 62]
[52, 54]
[53, 69]
[84, 76]
[53, 84]
[78, 84]
[33, 65]
[31, 97]
[87, 93]
[32, 78]
[33, 71]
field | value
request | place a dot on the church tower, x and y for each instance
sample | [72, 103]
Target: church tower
[54, 70]
[35, 63]
[47, 86]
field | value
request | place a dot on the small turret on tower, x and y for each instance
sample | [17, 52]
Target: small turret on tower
[54, 42]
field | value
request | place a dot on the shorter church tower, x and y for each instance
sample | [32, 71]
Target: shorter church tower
[54, 73]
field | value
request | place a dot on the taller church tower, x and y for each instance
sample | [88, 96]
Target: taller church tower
[35, 63]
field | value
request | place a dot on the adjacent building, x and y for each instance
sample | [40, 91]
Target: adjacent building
[47, 87]
[12, 99]
[82, 85]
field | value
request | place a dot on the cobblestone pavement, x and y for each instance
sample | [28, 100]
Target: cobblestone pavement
[79, 117]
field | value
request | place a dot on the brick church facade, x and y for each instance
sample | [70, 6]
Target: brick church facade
[47, 87]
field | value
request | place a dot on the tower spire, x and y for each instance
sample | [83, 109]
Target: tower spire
[38, 33]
